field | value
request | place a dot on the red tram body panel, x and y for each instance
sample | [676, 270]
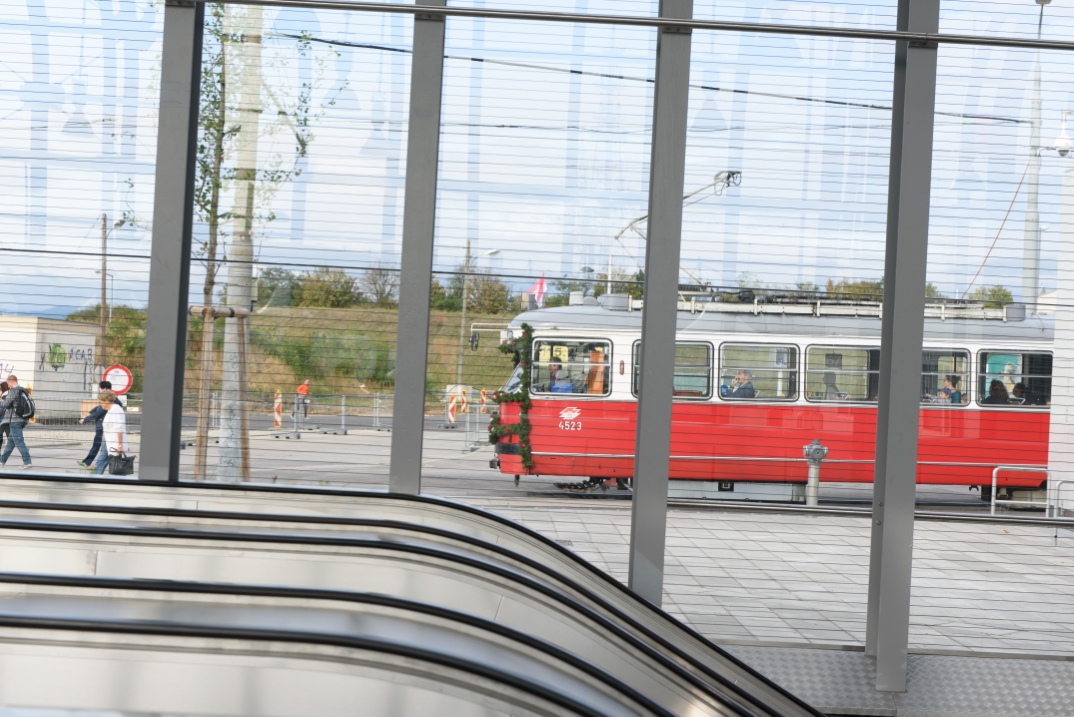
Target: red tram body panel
[764, 442]
[584, 424]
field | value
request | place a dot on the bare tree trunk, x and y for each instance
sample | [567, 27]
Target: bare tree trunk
[205, 385]
[234, 461]
[201, 442]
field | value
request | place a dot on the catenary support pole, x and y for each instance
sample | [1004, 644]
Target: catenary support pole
[419, 221]
[902, 328]
[653, 438]
[169, 264]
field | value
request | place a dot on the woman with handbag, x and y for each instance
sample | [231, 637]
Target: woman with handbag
[114, 428]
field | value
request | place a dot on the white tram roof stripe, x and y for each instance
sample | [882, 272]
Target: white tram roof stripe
[587, 319]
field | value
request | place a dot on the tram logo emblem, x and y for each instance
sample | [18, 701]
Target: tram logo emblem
[570, 413]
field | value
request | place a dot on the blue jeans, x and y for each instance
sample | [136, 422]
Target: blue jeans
[98, 438]
[102, 458]
[15, 440]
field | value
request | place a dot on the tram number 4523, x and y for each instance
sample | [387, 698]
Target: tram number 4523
[570, 425]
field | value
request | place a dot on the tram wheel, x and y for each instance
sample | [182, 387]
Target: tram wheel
[586, 486]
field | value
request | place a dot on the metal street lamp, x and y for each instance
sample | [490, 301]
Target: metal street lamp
[103, 271]
[1063, 143]
[1031, 241]
[467, 266]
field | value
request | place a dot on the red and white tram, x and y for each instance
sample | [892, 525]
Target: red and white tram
[812, 371]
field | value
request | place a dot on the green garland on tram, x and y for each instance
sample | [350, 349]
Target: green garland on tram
[521, 349]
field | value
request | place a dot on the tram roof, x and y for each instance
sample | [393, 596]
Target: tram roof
[589, 319]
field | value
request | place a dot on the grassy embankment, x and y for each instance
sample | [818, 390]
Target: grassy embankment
[338, 349]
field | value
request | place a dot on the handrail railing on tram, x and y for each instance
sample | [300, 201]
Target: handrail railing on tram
[1021, 469]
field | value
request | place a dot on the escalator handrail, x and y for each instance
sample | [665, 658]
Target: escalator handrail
[188, 587]
[150, 627]
[655, 611]
[431, 552]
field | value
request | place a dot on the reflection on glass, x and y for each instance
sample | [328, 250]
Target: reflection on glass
[943, 377]
[842, 373]
[1014, 379]
[751, 371]
[693, 370]
[571, 367]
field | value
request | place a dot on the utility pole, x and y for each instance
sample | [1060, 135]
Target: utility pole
[104, 291]
[1031, 241]
[462, 323]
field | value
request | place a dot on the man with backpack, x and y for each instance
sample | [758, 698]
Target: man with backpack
[18, 408]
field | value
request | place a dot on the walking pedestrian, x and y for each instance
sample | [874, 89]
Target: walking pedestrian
[4, 428]
[97, 416]
[18, 408]
[114, 429]
[303, 392]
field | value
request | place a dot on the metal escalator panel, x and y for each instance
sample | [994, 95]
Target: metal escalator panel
[390, 634]
[334, 510]
[426, 575]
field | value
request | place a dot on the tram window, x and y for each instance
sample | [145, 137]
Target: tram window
[763, 372]
[842, 373]
[944, 376]
[1006, 378]
[693, 370]
[570, 366]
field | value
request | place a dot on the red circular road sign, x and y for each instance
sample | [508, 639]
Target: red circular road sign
[121, 378]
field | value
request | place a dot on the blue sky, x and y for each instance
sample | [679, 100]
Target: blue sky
[545, 144]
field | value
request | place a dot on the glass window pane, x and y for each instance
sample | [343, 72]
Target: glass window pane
[1014, 379]
[943, 377]
[842, 373]
[571, 366]
[693, 370]
[751, 371]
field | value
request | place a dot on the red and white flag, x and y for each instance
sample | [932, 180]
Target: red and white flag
[537, 291]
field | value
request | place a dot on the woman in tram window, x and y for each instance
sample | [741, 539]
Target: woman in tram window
[950, 393]
[997, 394]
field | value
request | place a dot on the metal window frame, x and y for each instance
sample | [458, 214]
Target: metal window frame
[574, 396]
[173, 223]
[659, 321]
[796, 370]
[635, 364]
[416, 262]
[978, 375]
[887, 628]
[968, 376]
[806, 371]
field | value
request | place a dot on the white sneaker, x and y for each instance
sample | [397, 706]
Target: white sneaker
[28, 466]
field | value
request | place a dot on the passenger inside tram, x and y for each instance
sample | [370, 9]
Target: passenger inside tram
[1024, 397]
[559, 381]
[997, 394]
[742, 385]
[831, 390]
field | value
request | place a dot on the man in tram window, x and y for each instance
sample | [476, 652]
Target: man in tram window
[1023, 396]
[831, 390]
[997, 394]
[742, 385]
[558, 379]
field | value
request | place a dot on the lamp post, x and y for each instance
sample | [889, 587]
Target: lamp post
[467, 265]
[1031, 241]
[103, 271]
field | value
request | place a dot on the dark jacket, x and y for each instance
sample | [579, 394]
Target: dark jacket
[97, 416]
[8, 406]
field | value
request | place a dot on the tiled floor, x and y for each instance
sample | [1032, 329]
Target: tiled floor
[794, 580]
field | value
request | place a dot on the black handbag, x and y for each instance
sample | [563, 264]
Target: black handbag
[120, 464]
